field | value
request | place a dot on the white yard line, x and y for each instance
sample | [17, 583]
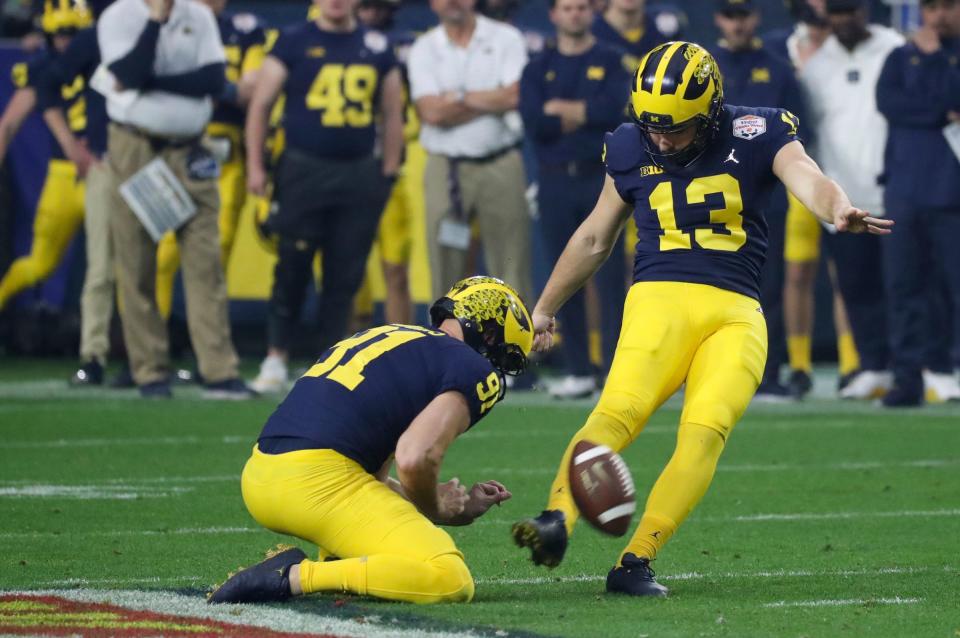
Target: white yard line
[826, 516]
[184, 531]
[686, 576]
[121, 441]
[828, 602]
[759, 467]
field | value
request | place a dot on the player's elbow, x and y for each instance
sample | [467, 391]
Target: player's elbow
[413, 460]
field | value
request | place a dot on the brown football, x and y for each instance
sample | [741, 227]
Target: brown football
[602, 488]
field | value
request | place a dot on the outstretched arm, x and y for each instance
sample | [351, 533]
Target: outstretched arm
[821, 195]
[19, 107]
[586, 251]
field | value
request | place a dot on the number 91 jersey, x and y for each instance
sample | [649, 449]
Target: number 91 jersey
[332, 88]
[704, 223]
[365, 391]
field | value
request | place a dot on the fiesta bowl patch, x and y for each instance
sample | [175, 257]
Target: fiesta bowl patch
[748, 127]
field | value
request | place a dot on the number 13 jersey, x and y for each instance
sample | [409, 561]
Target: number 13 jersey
[333, 88]
[364, 392]
[704, 223]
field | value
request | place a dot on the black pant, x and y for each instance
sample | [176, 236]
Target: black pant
[922, 268]
[860, 278]
[333, 206]
[565, 201]
[771, 286]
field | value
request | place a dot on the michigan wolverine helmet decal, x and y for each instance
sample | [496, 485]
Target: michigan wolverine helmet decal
[65, 15]
[677, 85]
[494, 319]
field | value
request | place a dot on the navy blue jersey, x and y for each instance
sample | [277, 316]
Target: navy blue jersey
[636, 44]
[239, 33]
[332, 88]
[704, 223]
[76, 66]
[364, 392]
[31, 74]
[598, 76]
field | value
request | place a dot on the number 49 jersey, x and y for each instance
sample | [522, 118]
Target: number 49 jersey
[332, 88]
[363, 393]
[704, 223]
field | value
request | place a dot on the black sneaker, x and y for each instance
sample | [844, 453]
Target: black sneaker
[844, 379]
[156, 390]
[898, 397]
[267, 581]
[772, 391]
[123, 379]
[90, 373]
[231, 389]
[634, 577]
[799, 384]
[545, 535]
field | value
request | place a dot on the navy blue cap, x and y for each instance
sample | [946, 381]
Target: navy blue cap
[842, 6]
[735, 6]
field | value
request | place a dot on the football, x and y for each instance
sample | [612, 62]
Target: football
[602, 488]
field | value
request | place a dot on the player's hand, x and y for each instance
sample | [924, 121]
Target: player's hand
[257, 180]
[451, 499]
[927, 40]
[81, 156]
[854, 220]
[483, 496]
[544, 327]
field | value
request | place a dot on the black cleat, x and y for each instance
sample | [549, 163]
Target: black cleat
[267, 581]
[545, 535]
[901, 397]
[634, 577]
[90, 373]
[799, 384]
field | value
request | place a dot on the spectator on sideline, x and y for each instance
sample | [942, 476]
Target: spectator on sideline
[338, 79]
[801, 249]
[755, 76]
[464, 80]
[627, 25]
[166, 119]
[570, 95]
[841, 81]
[919, 93]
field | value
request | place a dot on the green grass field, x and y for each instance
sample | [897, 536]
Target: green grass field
[825, 518]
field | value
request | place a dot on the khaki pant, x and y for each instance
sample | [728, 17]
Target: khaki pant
[493, 193]
[143, 329]
[96, 302]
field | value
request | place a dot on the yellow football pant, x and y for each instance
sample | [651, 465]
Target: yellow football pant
[233, 190]
[58, 216]
[386, 548]
[714, 341]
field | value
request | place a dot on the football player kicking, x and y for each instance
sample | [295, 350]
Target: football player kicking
[398, 393]
[696, 175]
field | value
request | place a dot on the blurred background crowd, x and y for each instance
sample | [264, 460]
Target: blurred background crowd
[456, 137]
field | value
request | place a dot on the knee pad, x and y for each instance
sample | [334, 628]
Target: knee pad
[453, 583]
[620, 412]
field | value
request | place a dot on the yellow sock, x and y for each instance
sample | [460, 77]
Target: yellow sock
[680, 487]
[798, 351]
[849, 358]
[600, 429]
[444, 578]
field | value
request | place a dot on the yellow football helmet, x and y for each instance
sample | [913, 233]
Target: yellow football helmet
[494, 319]
[677, 85]
[65, 15]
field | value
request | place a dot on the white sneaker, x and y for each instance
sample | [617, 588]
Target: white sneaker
[273, 376]
[573, 387]
[940, 387]
[868, 384]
